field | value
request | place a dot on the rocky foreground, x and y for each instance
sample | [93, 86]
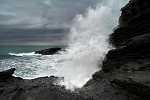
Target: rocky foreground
[15, 88]
[125, 73]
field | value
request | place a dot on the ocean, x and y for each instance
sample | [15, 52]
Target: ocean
[28, 64]
[5, 51]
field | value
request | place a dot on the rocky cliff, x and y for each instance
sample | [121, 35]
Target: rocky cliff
[125, 73]
[126, 69]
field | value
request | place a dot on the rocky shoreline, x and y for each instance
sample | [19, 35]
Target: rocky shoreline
[44, 88]
[125, 73]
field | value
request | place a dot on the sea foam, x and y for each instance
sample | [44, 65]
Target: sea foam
[24, 54]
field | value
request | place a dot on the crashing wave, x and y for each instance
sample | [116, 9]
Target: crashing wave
[23, 54]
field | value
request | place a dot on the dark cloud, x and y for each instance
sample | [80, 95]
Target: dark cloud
[41, 13]
[26, 22]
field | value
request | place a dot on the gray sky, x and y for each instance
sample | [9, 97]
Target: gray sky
[30, 22]
[23, 22]
[40, 13]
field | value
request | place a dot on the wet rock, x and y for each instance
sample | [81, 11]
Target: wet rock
[126, 69]
[49, 51]
[44, 88]
[7, 73]
[125, 73]
[136, 83]
[135, 53]
[133, 21]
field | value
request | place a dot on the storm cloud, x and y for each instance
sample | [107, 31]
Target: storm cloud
[41, 13]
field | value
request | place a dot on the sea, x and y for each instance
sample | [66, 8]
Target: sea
[11, 51]
[28, 64]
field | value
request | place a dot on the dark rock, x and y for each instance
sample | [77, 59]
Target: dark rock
[136, 52]
[123, 34]
[135, 9]
[44, 88]
[126, 70]
[103, 90]
[125, 73]
[134, 21]
[137, 83]
[8, 73]
[49, 51]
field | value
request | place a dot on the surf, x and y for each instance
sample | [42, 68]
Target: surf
[23, 54]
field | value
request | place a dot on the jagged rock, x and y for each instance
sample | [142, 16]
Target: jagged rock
[125, 71]
[44, 88]
[134, 21]
[7, 73]
[127, 68]
[49, 51]
[135, 53]
[135, 9]
[102, 88]
[137, 83]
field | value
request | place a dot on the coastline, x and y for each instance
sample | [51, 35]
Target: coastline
[125, 71]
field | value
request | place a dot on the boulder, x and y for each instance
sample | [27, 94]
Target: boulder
[49, 51]
[7, 73]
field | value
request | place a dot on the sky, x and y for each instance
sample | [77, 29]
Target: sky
[30, 22]
[22, 22]
[40, 13]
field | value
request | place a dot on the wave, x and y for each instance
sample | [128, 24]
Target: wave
[24, 54]
[88, 44]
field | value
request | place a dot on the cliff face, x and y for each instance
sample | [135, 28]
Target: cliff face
[125, 72]
[131, 38]
[127, 68]
[134, 21]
